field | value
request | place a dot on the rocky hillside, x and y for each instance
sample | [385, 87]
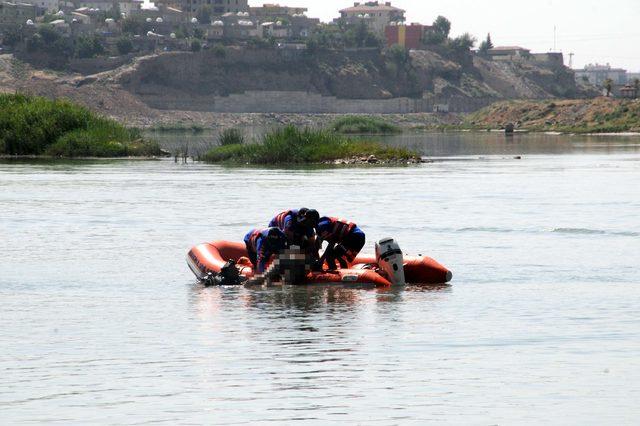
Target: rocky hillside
[582, 116]
[347, 75]
[184, 86]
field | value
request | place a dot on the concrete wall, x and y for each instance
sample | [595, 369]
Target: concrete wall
[305, 102]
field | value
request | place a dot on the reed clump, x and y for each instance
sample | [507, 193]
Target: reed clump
[33, 125]
[292, 145]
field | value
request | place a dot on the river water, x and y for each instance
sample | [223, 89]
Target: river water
[102, 321]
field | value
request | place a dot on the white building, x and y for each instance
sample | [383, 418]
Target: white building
[217, 7]
[49, 6]
[125, 6]
[377, 15]
[596, 74]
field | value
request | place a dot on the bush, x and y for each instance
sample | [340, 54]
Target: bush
[291, 145]
[103, 139]
[32, 125]
[89, 47]
[196, 46]
[124, 45]
[363, 125]
[219, 50]
[11, 37]
[231, 137]
[463, 43]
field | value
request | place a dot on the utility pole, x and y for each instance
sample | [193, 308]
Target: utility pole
[571, 60]
[554, 38]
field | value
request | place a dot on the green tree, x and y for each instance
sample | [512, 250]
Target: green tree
[49, 34]
[196, 46]
[462, 43]
[608, 85]
[124, 45]
[133, 25]
[636, 87]
[438, 33]
[442, 26]
[198, 33]
[11, 37]
[398, 58]
[486, 45]
[219, 50]
[88, 47]
[35, 43]
[204, 15]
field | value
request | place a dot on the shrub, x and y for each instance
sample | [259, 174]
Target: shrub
[231, 137]
[89, 47]
[124, 45]
[103, 139]
[196, 46]
[219, 50]
[32, 125]
[363, 125]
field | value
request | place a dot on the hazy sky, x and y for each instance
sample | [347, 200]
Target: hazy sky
[594, 30]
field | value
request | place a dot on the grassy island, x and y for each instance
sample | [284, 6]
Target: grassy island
[31, 125]
[364, 125]
[291, 145]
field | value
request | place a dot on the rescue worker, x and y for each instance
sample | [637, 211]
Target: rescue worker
[298, 226]
[262, 245]
[345, 241]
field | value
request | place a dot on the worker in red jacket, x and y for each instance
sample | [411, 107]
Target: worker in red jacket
[345, 240]
[262, 245]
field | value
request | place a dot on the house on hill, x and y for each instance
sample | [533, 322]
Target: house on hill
[508, 52]
[376, 15]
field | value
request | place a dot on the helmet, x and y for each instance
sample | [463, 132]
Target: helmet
[308, 217]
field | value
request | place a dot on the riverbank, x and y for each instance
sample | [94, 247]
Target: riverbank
[599, 115]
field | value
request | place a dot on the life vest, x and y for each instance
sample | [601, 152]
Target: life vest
[252, 240]
[334, 230]
[279, 220]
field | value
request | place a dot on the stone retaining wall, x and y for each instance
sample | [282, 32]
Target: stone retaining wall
[310, 103]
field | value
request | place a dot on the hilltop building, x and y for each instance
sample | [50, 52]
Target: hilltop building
[596, 74]
[628, 92]
[15, 14]
[376, 15]
[407, 36]
[48, 6]
[218, 7]
[269, 10]
[124, 6]
[508, 52]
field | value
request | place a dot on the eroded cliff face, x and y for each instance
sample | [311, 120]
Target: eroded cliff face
[278, 81]
[344, 75]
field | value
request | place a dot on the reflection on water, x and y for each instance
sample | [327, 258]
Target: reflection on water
[102, 323]
[449, 144]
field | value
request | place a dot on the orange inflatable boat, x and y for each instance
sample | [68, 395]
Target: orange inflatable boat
[208, 259]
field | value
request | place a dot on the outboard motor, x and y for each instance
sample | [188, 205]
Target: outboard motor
[390, 260]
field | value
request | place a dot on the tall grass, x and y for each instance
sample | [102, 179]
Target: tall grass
[363, 125]
[31, 125]
[231, 137]
[291, 145]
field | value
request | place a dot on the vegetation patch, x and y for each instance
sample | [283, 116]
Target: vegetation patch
[599, 115]
[364, 125]
[31, 125]
[231, 137]
[291, 145]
